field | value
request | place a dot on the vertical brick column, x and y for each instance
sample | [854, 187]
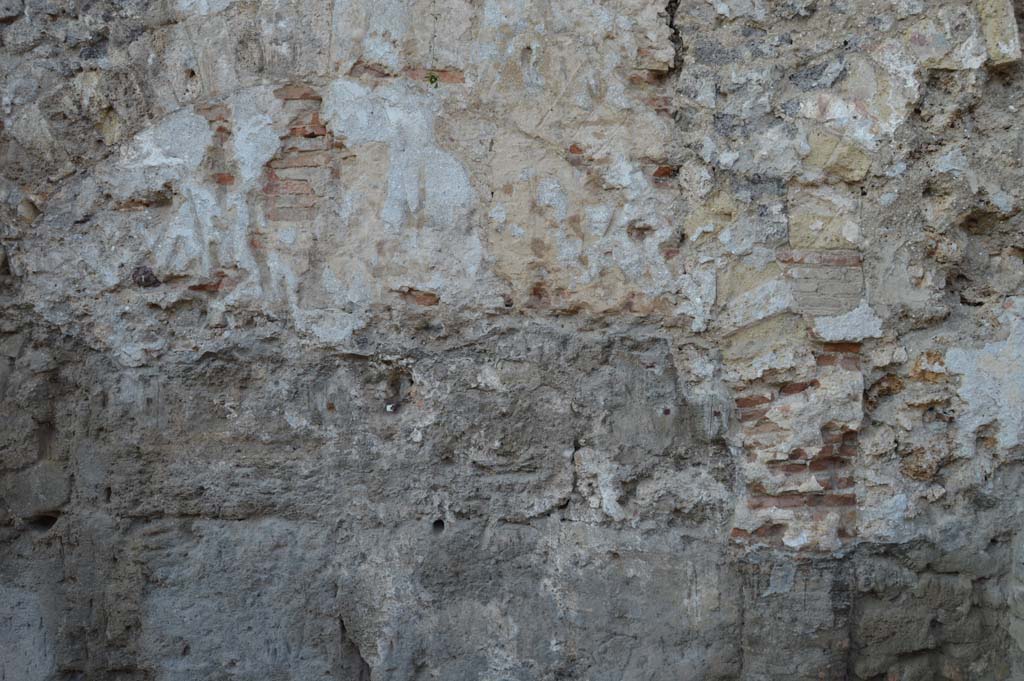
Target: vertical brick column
[296, 176]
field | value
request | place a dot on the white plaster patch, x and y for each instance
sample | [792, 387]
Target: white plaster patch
[403, 118]
[180, 140]
[992, 383]
[598, 481]
[699, 288]
[550, 194]
[166, 152]
[254, 141]
[768, 299]
[855, 325]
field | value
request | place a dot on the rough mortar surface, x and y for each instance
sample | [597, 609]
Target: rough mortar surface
[508, 340]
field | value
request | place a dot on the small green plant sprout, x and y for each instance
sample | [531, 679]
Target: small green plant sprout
[433, 79]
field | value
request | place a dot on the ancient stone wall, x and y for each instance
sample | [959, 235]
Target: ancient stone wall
[509, 340]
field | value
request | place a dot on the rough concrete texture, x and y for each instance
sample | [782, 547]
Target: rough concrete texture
[507, 341]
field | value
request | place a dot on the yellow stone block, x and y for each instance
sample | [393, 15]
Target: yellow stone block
[1000, 28]
[837, 156]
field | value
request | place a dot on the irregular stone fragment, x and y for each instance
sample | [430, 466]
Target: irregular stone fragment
[1001, 35]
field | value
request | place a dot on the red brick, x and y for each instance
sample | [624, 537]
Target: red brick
[783, 501]
[645, 77]
[826, 360]
[752, 400]
[850, 363]
[766, 531]
[826, 463]
[787, 467]
[224, 178]
[849, 348]
[770, 530]
[665, 172]
[798, 387]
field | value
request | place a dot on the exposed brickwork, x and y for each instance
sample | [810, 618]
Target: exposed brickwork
[801, 491]
[295, 180]
[823, 282]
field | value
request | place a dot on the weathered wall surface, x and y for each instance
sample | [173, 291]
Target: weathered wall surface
[505, 340]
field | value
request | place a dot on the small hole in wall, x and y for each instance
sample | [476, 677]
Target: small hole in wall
[186, 650]
[438, 526]
[42, 521]
[106, 494]
[190, 74]
[666, 411]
